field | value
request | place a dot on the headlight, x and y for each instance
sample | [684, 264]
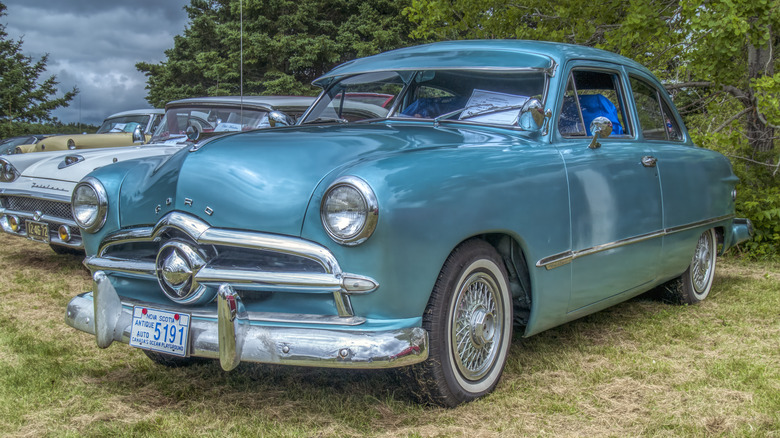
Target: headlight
[349, 211]
[8, 172]
[90, 204]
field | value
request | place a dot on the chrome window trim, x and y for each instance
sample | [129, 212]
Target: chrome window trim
[566, 257]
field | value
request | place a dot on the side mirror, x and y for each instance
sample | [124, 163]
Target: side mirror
[193, 133]
[138, 136]
[532, 115]
[600, 127]
[279, 118]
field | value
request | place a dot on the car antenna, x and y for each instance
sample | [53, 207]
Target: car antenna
[241, 63]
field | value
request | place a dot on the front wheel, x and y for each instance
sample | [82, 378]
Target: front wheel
[469, 322]
[695, 283]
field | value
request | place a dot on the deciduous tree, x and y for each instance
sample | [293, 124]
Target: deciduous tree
[701, 49]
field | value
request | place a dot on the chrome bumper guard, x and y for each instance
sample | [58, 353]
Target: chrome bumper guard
[232, 339]
[741, 231]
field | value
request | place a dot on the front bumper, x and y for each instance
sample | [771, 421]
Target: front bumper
[232, 337]
[52, 211]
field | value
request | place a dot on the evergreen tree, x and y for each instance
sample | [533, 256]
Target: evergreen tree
[286, 45]
[23, 99]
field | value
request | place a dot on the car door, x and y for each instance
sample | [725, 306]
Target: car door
[614, 190]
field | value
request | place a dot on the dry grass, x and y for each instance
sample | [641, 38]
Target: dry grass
[643, 368]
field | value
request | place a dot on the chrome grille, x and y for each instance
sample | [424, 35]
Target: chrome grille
[51, 208]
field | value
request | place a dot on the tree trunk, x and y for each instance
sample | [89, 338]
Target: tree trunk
[760, 63]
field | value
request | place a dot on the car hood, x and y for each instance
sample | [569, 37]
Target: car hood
[264, 180]
[52, 165]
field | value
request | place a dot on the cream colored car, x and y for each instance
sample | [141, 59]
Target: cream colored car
[116, 130]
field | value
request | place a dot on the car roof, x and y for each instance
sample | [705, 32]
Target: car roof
[137, 112]
[475, 54]
[266, 102]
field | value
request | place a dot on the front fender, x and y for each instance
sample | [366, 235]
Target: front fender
[432, 200]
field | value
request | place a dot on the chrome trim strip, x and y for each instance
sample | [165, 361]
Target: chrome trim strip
[187, 224]
[44, 218]
[334, 281]
[133, 267]
[36, 195]
[320, 347]
[260, 317]
[269, 281]
[566, 257]
[143, 234]
[269, 242]
[687, 227]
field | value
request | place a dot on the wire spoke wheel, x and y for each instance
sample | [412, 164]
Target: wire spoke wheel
[695, 283]
[476, 326]
[469, 324]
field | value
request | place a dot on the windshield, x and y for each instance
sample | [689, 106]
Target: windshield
[187, 124]
[477, 96]
[123, 123]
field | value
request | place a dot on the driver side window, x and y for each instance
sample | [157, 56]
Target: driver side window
[591, 94]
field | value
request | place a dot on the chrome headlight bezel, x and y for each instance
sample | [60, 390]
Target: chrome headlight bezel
[100, 206]
[8, 172]
[368, 211]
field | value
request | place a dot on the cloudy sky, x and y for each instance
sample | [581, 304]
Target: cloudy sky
[94, 45]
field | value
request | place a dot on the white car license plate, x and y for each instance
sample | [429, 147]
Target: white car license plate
[160, 330]
[37, 231]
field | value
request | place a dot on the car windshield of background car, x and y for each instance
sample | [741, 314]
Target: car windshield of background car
[476, 96]
[207, 120]
[123, 124]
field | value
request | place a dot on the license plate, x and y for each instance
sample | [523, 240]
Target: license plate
[160, 330]
[38, 231]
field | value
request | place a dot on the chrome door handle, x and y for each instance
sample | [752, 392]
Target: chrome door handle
[649, 161]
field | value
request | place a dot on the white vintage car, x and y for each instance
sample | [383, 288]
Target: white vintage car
[35, 189]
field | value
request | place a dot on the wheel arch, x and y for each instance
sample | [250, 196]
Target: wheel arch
[512, 252]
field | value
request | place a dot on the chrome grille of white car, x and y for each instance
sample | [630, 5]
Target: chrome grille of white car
[31, 205]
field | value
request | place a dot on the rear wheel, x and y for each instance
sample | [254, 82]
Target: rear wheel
[469, 322]
[695, 283]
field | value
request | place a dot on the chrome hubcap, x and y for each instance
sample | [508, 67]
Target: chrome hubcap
[477, 326]
[701, 268]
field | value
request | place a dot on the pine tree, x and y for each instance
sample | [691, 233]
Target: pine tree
[23, 99]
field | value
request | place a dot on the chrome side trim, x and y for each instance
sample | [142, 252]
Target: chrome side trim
[687, 227]
[566, 257]
[320, 347]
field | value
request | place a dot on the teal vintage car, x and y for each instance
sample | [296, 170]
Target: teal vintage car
[503, 185]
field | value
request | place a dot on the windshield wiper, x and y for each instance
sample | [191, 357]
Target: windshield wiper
[326, 120]
[486, 111]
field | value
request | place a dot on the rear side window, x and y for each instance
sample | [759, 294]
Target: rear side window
[591, 94]
[656, 118]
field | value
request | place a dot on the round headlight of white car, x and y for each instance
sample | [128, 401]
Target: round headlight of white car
[349, 211]
[8, 172]
[90, 204]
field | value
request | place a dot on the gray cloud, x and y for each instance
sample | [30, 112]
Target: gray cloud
[94, 45]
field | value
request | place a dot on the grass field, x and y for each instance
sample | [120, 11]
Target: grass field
[643, 368]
